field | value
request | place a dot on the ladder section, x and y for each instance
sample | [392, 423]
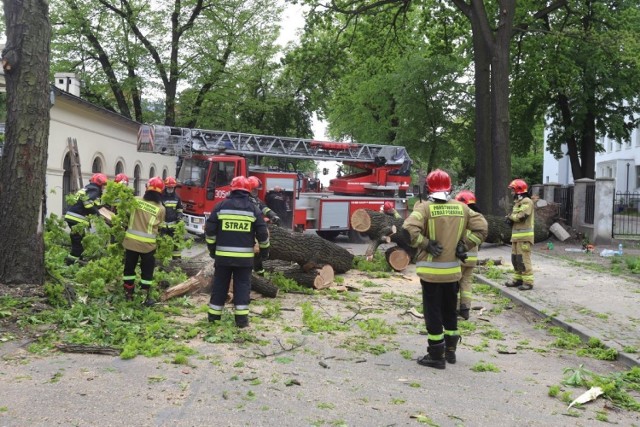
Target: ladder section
[74, 158]
[184, 142]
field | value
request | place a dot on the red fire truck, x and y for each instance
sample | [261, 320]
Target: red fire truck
[210, 159]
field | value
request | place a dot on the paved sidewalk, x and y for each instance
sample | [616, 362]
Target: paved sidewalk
[585, 302]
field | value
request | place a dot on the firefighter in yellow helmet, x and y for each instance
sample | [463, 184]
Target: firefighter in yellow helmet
[442, 230]
[464, 302]
[140, 239]
[521, 221]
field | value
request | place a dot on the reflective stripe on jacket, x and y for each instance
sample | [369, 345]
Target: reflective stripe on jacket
[448, 223]
[233, 227]
[143, 226]
[522, 216]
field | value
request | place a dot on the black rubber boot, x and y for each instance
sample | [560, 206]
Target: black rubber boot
[513, 284]
[464, 312]
[434, 357]
[214, 317]
[451, 343]
[148, 301]
[242, 320]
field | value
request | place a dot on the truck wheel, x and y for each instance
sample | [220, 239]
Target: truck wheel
[329, 235]
[357, 237]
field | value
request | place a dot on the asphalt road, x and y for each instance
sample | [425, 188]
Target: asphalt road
[320, 383]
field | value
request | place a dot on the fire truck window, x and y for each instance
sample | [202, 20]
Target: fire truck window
[224, 172]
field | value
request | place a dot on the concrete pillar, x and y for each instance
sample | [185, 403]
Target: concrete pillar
[549, 189]
[603, 211]
[579, 202]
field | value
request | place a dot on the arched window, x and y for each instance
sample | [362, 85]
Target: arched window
[97, 165]
[165, 173]
[119, 168]
[136, 180]
[152, 172]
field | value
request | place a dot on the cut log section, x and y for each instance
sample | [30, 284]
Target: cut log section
[397, 258]
[321, 278]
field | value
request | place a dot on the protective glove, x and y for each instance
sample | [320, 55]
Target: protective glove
[264, 254]
[212, 250]
[275, 220]
[433, 247]
[508, 221]
[461, 252]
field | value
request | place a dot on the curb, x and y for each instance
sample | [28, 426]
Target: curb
[627, 359]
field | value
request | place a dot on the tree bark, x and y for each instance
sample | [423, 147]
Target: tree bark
[25, 61]
[308, 250]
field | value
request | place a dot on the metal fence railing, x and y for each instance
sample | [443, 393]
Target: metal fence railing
[564, 197]
[590, 203]
[626, 214]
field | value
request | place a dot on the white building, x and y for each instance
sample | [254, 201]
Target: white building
[107, 143]
[619, 160]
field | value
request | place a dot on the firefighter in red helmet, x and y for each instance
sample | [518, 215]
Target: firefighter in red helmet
[389, 209]
[231, 231]
[442, 230]
[465, 295]
[521, 221]
[140, 239]
[173, 206]
[77, 217]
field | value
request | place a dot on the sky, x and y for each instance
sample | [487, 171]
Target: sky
[292, 22]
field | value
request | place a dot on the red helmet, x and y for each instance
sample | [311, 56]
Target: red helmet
[254, 182]
[170, 182]
[438, 180]
[122, 178]
[467, 197]
[240, 183]
[99, 179]
[388, 207]
[518, 186]
[155, 184]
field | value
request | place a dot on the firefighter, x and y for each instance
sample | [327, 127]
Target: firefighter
[254, 185]
[122, 179]
[521, 221]
[277, 200]
[231, 231]
[87, 203]
[389, 209]
[464, 303]
[173, 216]
[442, 230]
[140, 239]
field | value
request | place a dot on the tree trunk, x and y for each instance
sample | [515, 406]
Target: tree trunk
[308, 250]
[24, 158]
[397, 258]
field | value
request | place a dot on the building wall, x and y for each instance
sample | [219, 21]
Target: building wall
[104, 139]
[611, 163]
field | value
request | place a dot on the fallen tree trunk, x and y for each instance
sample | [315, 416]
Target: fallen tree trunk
[500, 232]
[308, 250]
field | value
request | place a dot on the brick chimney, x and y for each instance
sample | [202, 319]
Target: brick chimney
[68, 82]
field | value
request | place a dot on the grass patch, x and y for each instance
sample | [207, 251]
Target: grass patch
[485, 367]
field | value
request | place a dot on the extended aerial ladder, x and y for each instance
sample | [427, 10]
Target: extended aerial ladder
[184, 142]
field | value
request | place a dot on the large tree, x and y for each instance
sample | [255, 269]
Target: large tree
[25, 61]
[582, 69]
[191, 63]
